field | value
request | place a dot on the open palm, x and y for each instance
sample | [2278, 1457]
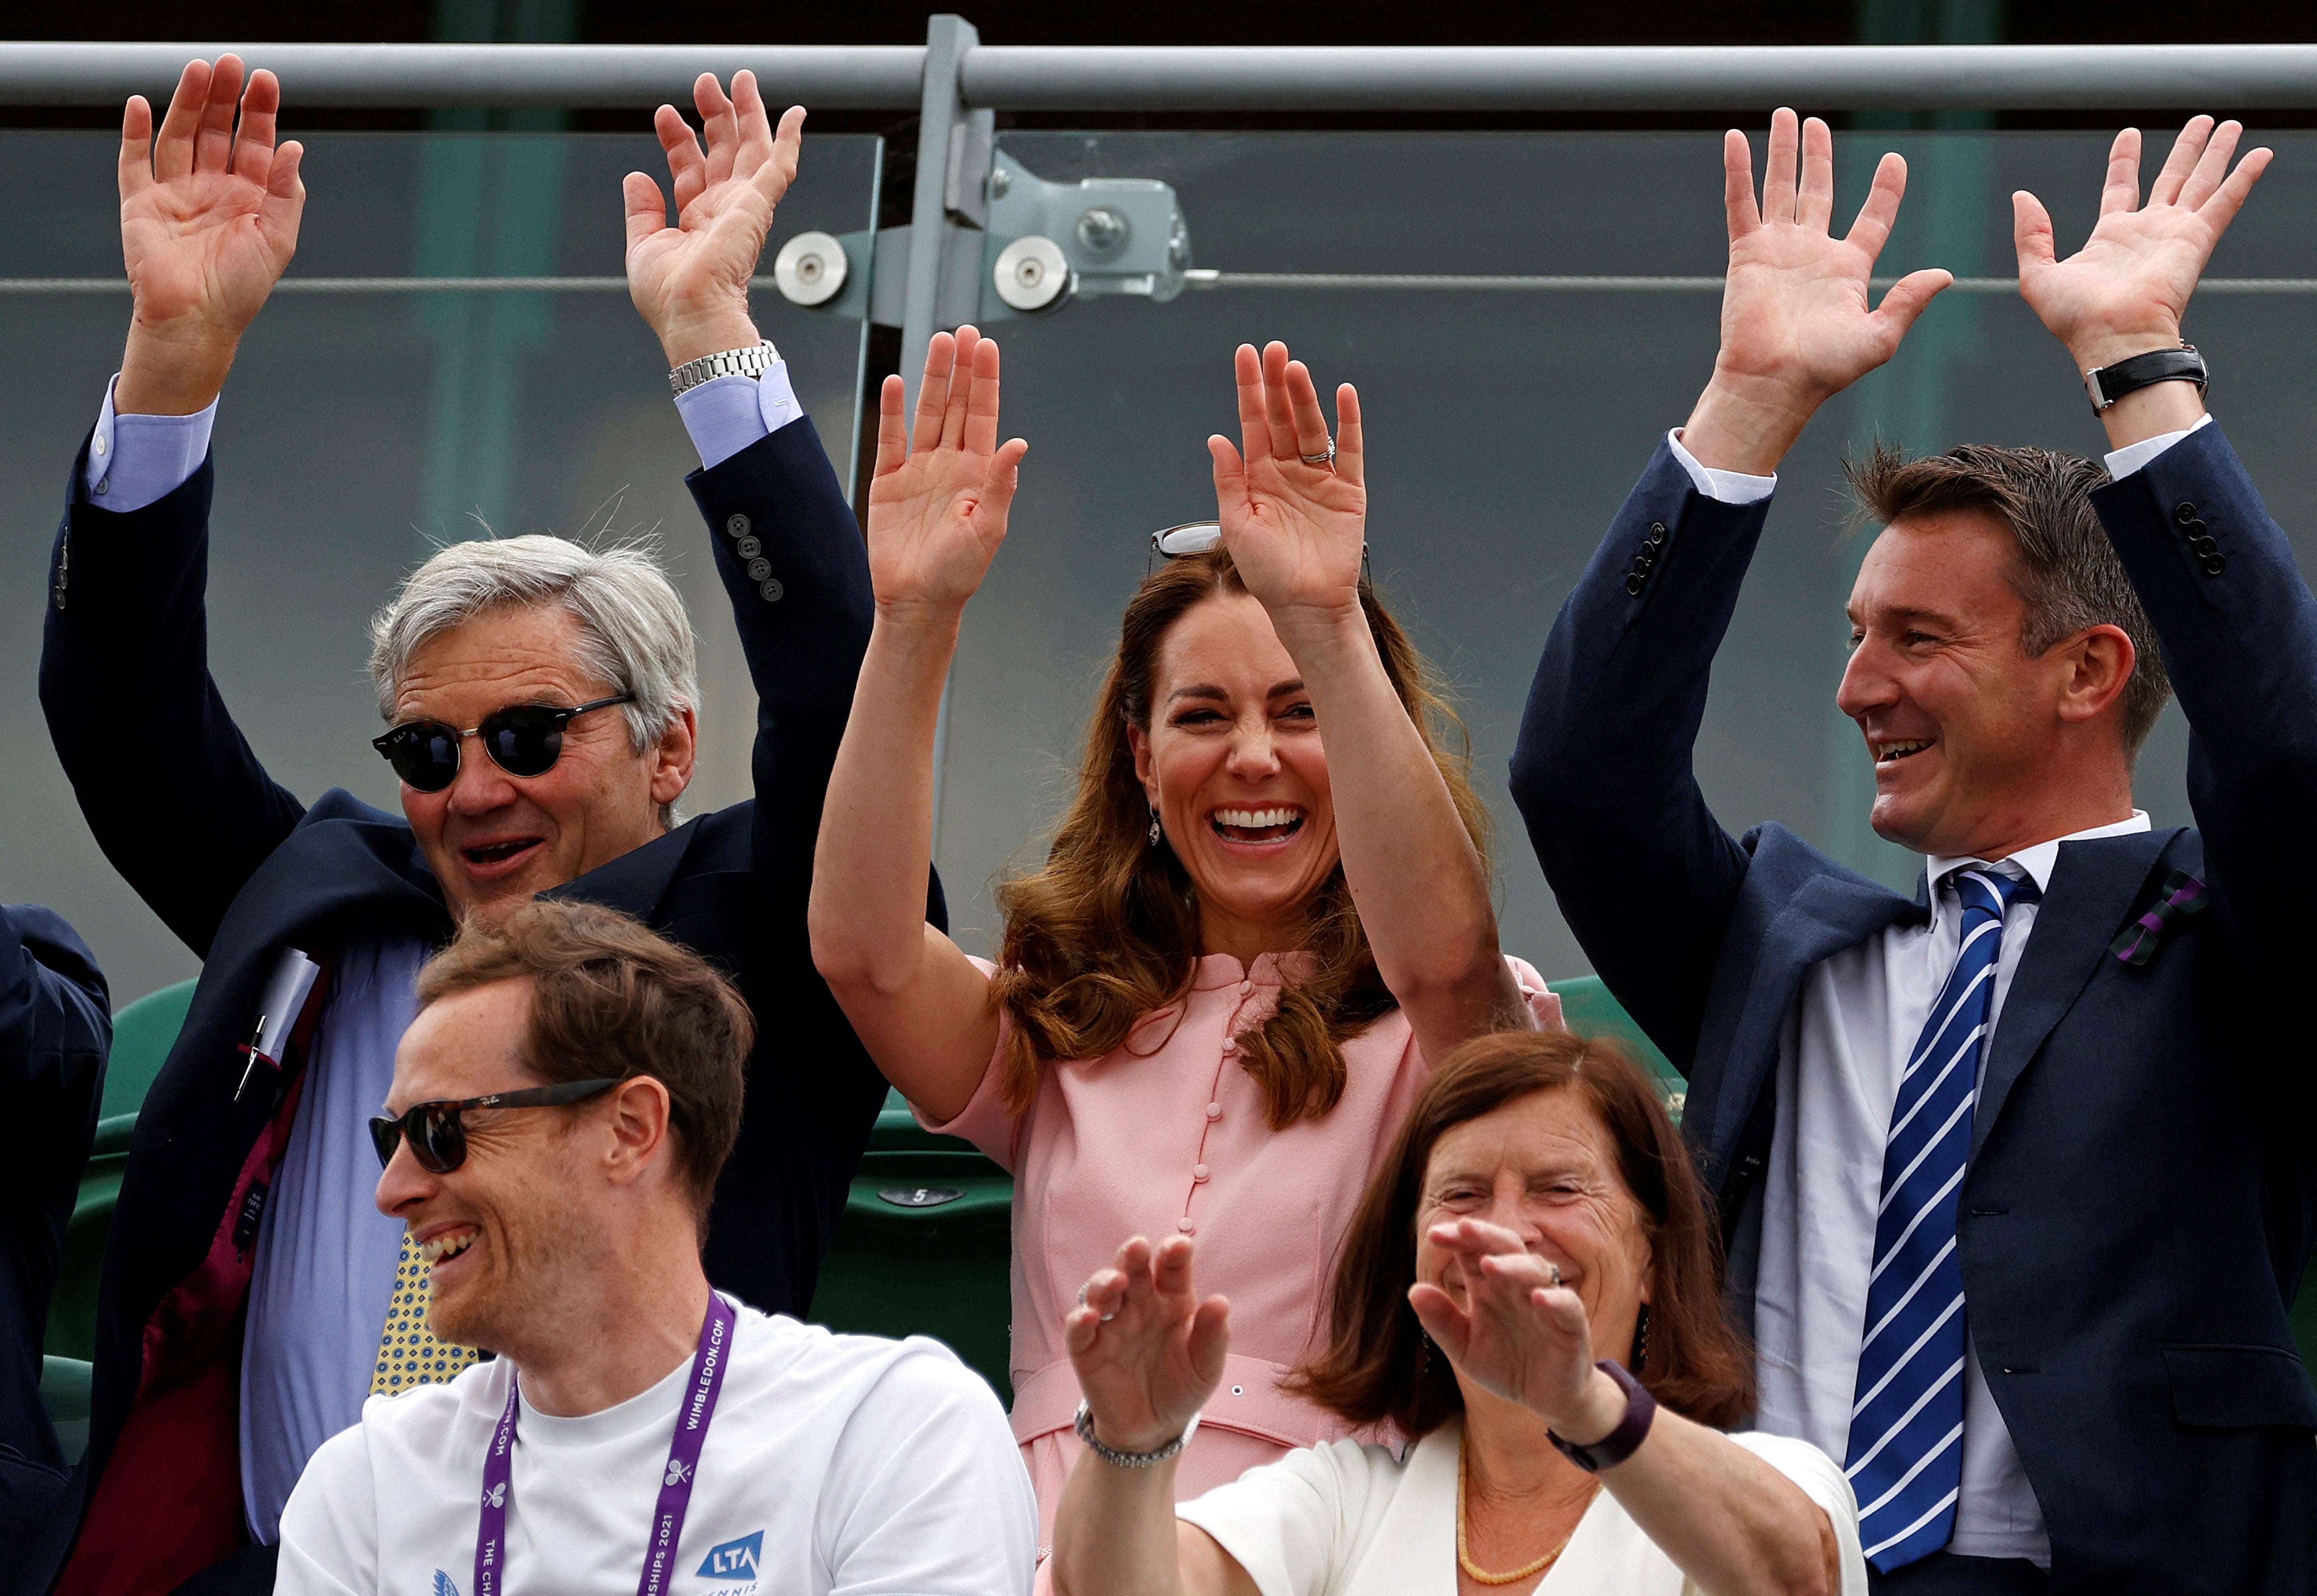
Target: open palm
[1795, 307]
[1296, 531]
[939, 503]
[1519, 1334]
[208, 216]
[1148, 1352]
[725, 196]
[2130, 282]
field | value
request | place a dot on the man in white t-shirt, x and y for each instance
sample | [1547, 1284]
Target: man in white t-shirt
[561, 1107]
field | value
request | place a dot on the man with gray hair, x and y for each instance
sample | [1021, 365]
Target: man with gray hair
[542, 715]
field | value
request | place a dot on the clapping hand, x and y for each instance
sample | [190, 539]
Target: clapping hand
[2125, 292]
[209, 220]
[1520, 1334]
[1148, 1352]
[691, 281]
[1796, 326]
[939, 503]
[1295, 529]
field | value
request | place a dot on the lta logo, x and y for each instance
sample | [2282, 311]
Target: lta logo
[735, 1559]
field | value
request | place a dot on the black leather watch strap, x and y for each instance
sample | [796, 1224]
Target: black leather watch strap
[1620, 1443]
[2107, 384]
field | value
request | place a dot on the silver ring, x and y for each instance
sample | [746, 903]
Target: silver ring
[1548, 1264]
[1106, 1318]
[1327, 458]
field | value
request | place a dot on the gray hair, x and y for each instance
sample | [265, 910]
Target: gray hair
[634, 633]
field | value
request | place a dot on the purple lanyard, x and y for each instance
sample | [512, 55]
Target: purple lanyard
[676, 1485]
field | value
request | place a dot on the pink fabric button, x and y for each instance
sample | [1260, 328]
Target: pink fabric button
[1231, 1048]
[1245, 987]
[1215, 1110]
[1200, 1171]
[1185, 1226]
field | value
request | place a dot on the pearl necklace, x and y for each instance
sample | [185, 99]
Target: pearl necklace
[1527, 1571]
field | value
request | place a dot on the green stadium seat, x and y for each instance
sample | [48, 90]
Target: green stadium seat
[64, 1393]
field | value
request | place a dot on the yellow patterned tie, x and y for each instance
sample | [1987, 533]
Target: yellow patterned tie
[408, 1355]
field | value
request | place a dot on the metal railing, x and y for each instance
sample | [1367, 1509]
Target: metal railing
[1302, 78]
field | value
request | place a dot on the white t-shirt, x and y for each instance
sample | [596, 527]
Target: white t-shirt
[1345, 1519]
[833, 1464]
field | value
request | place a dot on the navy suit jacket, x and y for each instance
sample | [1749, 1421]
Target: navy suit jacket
[240, 869]
[56, 1024]
[2143, 1194]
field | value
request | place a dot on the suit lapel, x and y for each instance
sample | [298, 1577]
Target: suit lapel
[1828, 914]
[2094, 885]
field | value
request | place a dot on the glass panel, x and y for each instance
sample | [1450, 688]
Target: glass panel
[1505, 427]
[361, 428]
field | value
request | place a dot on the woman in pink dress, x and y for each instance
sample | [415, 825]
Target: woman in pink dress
[1214, 1004]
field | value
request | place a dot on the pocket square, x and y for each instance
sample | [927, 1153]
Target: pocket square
[2182, 895]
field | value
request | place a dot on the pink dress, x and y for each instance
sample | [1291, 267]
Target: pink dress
[1168, 1134]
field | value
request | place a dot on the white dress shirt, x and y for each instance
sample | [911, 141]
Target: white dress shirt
[1857, 1018]
[326, 1257]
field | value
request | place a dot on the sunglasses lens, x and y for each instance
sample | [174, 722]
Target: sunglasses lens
[385, 1135]
[1194, 539]
[424, 755]
[525, 740]
[441, 1144]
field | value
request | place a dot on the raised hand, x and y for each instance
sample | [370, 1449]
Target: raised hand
[691, 281]
[1148, 1352]
[209, 220]
[1296, 530]
[1797, 326]
[2125, 292]
[1519, 1333]
[937, 507]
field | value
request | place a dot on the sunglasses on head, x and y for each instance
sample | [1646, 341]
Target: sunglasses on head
[1198, 537]
[438, 1136]
[522, 739]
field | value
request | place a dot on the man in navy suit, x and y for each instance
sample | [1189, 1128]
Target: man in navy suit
[56, 1026]
[541, 711]
[2017, 1175]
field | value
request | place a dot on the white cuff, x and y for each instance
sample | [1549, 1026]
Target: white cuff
[1731, 488]
[725, 415]
[2121, 463]
[134, 461]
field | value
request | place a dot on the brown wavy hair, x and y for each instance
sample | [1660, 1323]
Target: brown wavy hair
[1376, 1365]
[1107, 932]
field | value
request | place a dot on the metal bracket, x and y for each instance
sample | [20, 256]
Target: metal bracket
[1029, 246]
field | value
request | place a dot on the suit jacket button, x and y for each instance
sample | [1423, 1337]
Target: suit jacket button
[737, 525]
[2214, 564]
[2184, 512]
[748, 548]
[1657, 533]
[771, 589]
[1633, 583]
[759, 570]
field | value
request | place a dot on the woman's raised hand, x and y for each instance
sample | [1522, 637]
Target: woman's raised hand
[1522, 1334]
[939, 499]
[1148, 1353]
[1296, 530]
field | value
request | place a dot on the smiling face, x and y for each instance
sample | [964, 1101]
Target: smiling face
[1233, 764]
[1545, 1167]
[506, 1231]
[1979, 749]
[493, 840]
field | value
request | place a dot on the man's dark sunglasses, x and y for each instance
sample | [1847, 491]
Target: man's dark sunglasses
[522, 739]
[438, 1138]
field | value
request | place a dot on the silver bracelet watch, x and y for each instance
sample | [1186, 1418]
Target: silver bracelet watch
[1118, 1459]
[724, 362]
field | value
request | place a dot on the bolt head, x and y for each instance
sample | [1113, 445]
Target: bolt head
[1102, 232]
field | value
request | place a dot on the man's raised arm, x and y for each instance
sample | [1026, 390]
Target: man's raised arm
[1601, 773]
[787, 545]
[2231, 611]
[209, 211]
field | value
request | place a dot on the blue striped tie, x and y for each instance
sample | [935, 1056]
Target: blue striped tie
[1906, 1428]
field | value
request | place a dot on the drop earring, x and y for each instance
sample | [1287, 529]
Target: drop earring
[1641, 1337]
[1155, 832]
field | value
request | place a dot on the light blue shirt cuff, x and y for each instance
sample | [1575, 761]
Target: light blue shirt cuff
[134, 461]
[725, 415]
[1731, 488]
[2121, 463]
